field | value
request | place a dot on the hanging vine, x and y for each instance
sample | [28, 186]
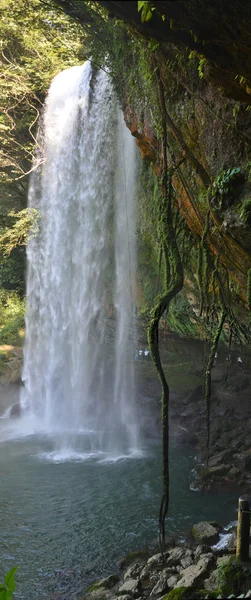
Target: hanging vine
[207, 391]
[173, 284]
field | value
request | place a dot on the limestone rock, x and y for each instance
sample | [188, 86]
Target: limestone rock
[187, 559]
[211, 584]
[100, 594]
[131, 587]
[154, 563]
[108, 582]
[205, 532]
[155, 560]
[218, 459]
[134, 571]
[174, 556]
[201, 549]
[195, 574]
[161, 587]
[171, 582]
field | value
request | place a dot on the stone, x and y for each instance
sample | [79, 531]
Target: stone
[131, 587]
[134, 571]
[108, 582]
[187, 560]
[195, 574]
[217, 460]
[221, 469]
[174, 557]
[231, 543]
[211, 584]
[204, 532]
[233, 472]
[171, 582]
[99, 594]
[161, 586]
[201, 549]
[155, 560]
[154, 563]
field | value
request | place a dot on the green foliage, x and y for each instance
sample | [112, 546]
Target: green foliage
[245, 211]
[21, 226]
[181, 317]
[224, 182]
[146, 9]
[8, 587]
[36, 44]
[12, 269]
[233, 577]
[12, 312]
[201, 67]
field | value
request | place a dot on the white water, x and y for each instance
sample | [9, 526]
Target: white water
[79, 373]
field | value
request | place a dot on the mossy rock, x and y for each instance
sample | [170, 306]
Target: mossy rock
[106, 584]
[190, 593]
[180, 593]
[234, 577]
[131, 557]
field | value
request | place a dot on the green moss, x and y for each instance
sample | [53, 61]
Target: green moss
[104, 584]
[245, 211]
[181, 593]
[93, 587]
[234, 577]
[181, 317]
[131, 557]
[189, 593]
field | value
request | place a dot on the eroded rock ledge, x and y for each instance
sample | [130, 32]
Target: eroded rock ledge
[184, 571]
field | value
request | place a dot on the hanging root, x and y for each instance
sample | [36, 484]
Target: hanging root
[229, 351]
[203, 269]
[207, 390]
[249, 289]
[173, 283]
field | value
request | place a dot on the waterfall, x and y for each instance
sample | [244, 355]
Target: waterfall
[80, 328]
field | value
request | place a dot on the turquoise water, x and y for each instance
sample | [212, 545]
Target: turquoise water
[67, 523]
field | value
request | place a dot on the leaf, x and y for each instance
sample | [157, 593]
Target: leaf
[141, 3]
[146, 14]
[10, 579]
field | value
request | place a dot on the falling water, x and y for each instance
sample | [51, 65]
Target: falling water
[79, 367]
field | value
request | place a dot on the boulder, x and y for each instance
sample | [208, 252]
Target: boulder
[161, 587]
[171, 582]
[201, 549]
[195, 574]
[134, 571]
[108, 582]
[131, 587]
[187, 559]
[218, 459]
[154, 563]
[205, 532]
[175, 556]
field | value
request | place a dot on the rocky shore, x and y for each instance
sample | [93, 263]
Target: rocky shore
[201, 568]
